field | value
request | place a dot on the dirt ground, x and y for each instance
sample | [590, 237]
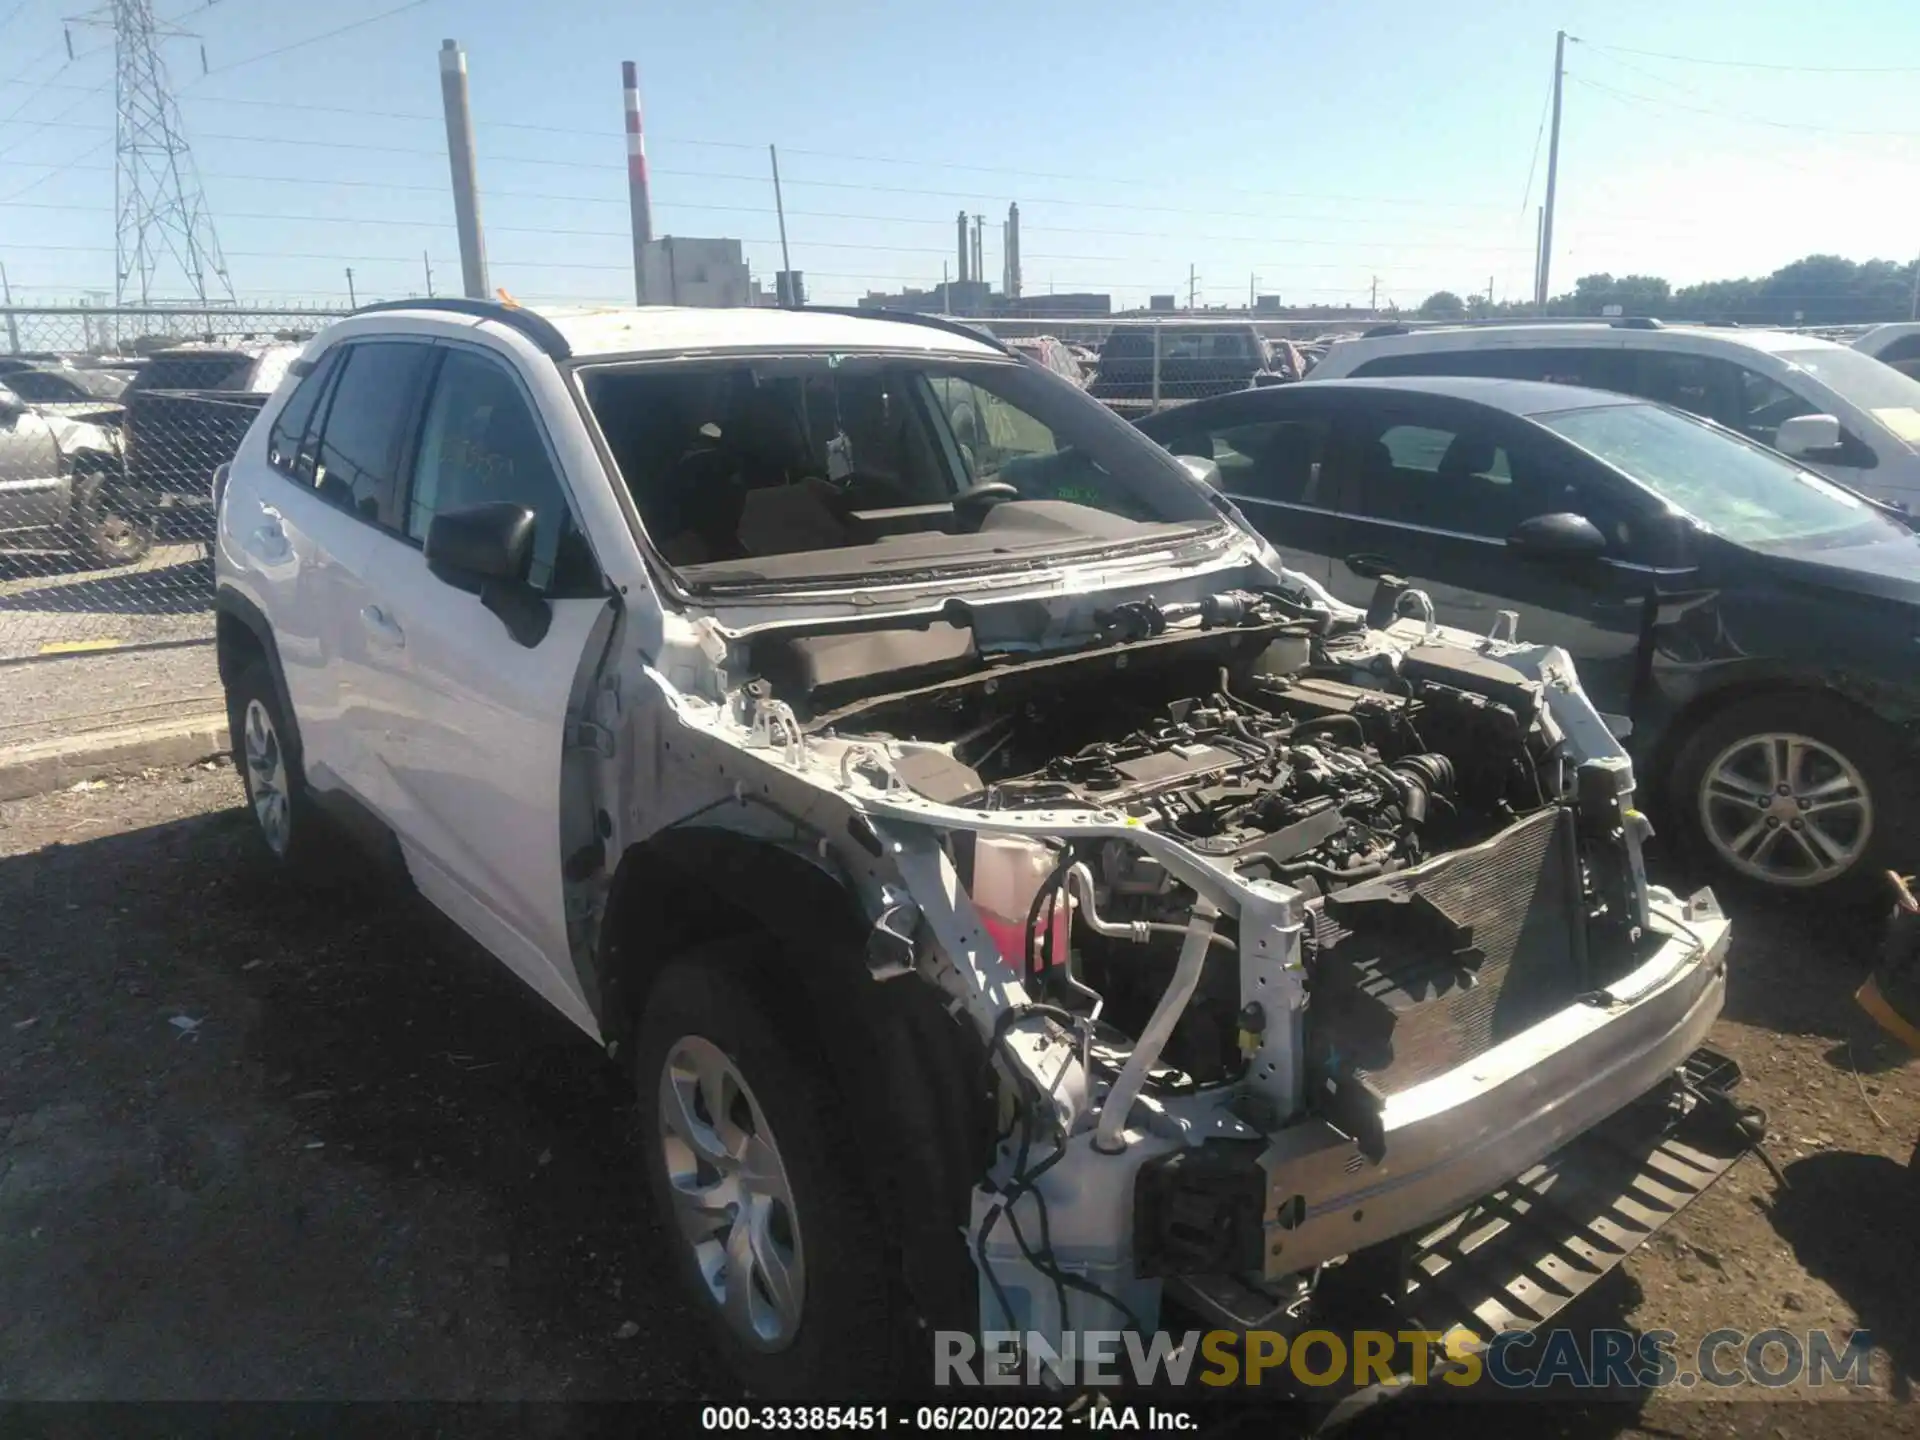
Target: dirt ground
[257, 1144]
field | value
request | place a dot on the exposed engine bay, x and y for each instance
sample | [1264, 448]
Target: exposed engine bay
[1227, 888]
[1258, 746]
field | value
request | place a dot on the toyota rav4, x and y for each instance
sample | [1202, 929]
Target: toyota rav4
[1021, 903]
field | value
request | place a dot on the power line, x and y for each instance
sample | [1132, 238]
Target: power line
[1736, 117]
[316, 39]
[1761, 64]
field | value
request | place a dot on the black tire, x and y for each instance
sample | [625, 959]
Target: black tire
[111, 535]
[846, 1341]
[253, 698]
[1855, 844]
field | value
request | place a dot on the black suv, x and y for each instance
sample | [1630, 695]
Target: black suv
[186, 411]
[1196, 359]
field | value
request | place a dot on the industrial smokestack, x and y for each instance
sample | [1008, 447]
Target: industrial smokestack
[639, 202]
[966, 244]
[1013, 251]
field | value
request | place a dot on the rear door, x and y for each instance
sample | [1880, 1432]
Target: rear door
[469, 734]
[1432, 492]
[1274, 453]
[297, 549]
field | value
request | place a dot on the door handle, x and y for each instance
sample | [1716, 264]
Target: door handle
[383, 628]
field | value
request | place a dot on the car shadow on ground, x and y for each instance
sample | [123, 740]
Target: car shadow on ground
[180, 587]
[432, 1062]
[374, 1060]
[1850, 1220]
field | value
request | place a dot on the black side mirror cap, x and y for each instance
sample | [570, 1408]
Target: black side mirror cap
[475, 544]
[1561, 536]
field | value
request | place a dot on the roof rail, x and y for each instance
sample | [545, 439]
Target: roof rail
[537, 328]
[1379, 330]
[1636, 322]
[910, 317]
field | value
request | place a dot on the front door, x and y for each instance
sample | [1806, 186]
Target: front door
[1431, 492]
[469, 727]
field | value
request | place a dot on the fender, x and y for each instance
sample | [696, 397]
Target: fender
[233, 612]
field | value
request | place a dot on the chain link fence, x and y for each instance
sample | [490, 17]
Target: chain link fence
[112, 423]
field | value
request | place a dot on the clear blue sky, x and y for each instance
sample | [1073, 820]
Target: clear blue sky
[1315, 146]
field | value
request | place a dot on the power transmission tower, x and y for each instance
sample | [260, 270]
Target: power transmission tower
[163, 235]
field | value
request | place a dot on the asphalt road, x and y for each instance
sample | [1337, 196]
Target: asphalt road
[258, 1142]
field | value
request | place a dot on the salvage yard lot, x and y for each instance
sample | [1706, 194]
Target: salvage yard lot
[261, 1144]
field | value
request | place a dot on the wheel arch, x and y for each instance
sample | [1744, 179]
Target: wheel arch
[1703, 708]
[242, 634]
[911, 1075]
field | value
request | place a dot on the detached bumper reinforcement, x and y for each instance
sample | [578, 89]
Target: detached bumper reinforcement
[1515, 1259]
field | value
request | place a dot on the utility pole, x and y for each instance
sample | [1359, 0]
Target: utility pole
[1253, 283]
[946, 295]
[1913, 304]
[639, 199]
[980, 248]
[1553, 172]
[426, 261]
[1193, 288]
[1489, 292]
[466, 184]
[780, 209]
[1373, 297]
[13, 324]
[1539, 260]
[353, 301]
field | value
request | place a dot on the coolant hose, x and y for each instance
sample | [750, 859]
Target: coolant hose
[1154, 1034]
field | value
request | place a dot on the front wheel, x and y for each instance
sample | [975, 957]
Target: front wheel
[760, 1194]
[112, 535]
[1794, 794]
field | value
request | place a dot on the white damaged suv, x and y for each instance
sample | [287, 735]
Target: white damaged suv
[1021, 903]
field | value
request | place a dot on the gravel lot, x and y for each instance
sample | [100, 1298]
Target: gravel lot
[261, 1144]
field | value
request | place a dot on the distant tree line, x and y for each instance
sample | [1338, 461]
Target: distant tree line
[1817, 290]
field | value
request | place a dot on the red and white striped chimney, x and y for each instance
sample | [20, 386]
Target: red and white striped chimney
[639, 201]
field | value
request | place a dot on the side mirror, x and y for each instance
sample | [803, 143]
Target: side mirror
[1557, 537]
[477, 543]
[1808, 436]
[1205, 471]
[486, 550]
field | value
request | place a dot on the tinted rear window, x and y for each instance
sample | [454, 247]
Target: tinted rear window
[211, 371]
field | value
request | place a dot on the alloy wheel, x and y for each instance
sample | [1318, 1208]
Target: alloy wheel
[1786, 809]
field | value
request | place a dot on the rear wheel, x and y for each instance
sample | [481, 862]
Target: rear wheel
[1791, 793]
[268, 759]
[112, 535]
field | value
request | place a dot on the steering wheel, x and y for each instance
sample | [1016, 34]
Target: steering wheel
[970, 506]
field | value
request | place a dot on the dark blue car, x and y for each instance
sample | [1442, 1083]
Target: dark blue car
[1752, 629]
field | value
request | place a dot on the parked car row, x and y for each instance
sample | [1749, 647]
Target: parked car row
[1749, 627]
[103, 458]
[1834, 407]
